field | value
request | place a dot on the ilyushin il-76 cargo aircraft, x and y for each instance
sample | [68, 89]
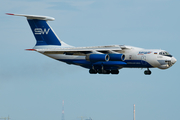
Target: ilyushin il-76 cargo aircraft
[98, 59]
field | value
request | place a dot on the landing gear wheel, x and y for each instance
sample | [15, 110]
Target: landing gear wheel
[108, 71]
[114, 71]
[147, 72]
[92, 71]
[103, 71]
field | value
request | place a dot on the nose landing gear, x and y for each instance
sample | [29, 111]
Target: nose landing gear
[147, 72]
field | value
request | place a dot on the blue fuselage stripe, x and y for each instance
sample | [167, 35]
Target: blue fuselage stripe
[109, 64]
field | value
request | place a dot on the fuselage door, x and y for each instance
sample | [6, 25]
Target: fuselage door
[143, 60]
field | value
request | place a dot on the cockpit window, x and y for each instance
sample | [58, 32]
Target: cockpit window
[165, 54]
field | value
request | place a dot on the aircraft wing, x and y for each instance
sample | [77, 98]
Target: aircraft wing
[80, 50]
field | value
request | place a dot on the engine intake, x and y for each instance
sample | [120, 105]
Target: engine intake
[116, 57]
[97, 57]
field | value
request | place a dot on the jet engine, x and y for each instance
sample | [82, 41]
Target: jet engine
[97, 57]
[116, 57]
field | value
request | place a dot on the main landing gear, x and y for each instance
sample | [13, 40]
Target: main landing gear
[147, 72]
[102, 71]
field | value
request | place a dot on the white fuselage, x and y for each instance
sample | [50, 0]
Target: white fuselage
[134, 57]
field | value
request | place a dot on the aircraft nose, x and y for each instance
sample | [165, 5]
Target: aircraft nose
[173, 60]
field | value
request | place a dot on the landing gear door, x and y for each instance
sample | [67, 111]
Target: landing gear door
[143, 60]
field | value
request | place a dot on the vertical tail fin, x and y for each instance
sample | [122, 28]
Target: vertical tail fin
[42, 31]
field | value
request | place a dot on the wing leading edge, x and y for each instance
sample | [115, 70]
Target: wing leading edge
[94, 49]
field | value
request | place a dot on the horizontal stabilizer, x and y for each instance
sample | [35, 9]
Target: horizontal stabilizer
[31, 49]
[37, 17]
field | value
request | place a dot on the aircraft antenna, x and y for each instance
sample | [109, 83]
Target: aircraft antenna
[134, 112]
[62, 110]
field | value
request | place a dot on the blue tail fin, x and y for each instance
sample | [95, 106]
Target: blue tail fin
[43, 33]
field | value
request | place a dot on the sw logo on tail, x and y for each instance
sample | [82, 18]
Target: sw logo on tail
[39, 31]
[98, 59]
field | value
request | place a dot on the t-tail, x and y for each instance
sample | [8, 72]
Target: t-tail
[44, 34]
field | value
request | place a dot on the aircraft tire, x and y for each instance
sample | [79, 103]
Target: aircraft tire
[92, 71]
[114, 71]
[147, 72]
[104, 71]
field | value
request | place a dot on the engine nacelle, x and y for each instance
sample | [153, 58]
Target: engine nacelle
[116, 57]
[97, 57]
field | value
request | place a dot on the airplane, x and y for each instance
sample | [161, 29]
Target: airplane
[98, 59]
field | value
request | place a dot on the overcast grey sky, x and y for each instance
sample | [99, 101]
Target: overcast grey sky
[32, 86]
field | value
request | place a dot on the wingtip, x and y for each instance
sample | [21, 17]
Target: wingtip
[9, 14]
